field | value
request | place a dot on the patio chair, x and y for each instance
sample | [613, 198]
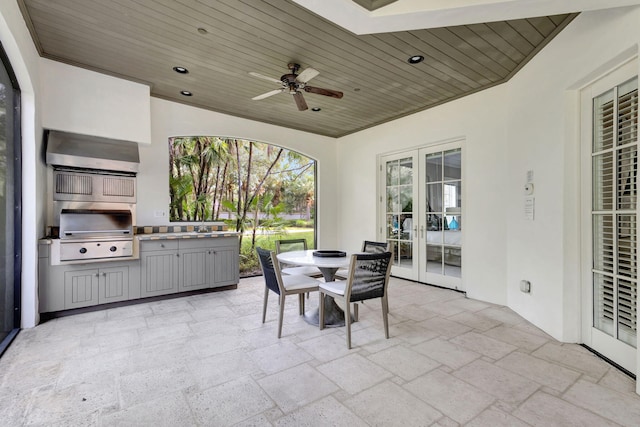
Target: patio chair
[370, 247]
[282, 285]
[368, 279]
[287, 245]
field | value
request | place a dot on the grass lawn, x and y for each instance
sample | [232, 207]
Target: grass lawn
[249, 264]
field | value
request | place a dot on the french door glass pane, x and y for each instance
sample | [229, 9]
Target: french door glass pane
[603, 181]
[392, 173]
[452, 162]
[627, 311]
[628, 112]
[434, 259]
[603, 243]
[393, 201]
[406, 171]
[434, 167]
[434, 198]
[627, 169]
[603, 303]
[406, 227]
[603, 129]
[627, 243]
[405, 254]
[392, 226]
[452, 261]
[399, 209]
[406, 198]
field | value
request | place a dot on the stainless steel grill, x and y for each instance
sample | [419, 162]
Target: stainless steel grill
[95, 234]
[94, 197]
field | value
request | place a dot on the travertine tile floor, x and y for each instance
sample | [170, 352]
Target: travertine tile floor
[207, 360]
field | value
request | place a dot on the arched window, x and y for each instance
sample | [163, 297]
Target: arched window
[259, 189]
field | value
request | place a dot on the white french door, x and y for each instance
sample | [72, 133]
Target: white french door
[421, 213]
[398, 191]
[610, 205]
[440, 194]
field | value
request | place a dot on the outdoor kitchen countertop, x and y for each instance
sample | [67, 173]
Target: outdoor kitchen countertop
[166, 236]
[186, 235]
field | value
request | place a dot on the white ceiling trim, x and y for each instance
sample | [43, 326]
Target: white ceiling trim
[405, 15]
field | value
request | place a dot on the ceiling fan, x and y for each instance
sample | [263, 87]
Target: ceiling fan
[294, 83]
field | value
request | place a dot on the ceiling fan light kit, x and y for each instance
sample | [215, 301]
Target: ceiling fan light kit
[295, 83]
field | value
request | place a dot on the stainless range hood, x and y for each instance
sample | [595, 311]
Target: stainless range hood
[65, 149]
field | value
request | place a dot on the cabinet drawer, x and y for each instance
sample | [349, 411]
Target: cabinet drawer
[200, 243]
[207, 242]
[158, 245]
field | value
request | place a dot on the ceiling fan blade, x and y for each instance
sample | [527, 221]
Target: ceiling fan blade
[300, 102]
[326, 92]
[268, 94]
[260, 76]
[307, 75]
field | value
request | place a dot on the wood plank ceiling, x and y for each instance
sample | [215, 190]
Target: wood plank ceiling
[221, 41]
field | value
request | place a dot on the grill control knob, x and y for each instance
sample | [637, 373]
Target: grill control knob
[113, 249]
[83, 250]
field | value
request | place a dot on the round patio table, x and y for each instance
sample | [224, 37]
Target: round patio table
[333, 314]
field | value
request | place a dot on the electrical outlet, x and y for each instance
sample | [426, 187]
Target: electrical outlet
[525, 286]
[160, 214]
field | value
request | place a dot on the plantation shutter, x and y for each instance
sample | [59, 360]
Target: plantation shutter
[614, 211]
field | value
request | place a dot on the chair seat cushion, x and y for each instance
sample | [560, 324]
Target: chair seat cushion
[296, 282]
[304, 270]
[336, 287]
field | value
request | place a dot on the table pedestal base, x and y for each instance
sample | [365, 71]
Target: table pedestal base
[333, 315]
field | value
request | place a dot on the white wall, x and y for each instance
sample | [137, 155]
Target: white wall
[24, 59]
[172, 119]
[541, 121]
[478, 119]
[76, 100]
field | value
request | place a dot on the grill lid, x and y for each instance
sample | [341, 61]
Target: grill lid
[95, 223]
[91, 152]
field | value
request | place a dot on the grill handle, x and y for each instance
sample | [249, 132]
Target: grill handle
[70, 233]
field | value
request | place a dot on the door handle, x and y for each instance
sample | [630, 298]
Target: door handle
[422, 231]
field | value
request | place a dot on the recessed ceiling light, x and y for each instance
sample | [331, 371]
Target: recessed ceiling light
[415, 59]
[316, 109]
[185, 93]
[180, 70]
[202, 30]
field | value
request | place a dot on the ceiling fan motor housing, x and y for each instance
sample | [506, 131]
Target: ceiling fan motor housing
[289, 81]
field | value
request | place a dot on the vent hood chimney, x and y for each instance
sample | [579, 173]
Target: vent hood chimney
[65, 149]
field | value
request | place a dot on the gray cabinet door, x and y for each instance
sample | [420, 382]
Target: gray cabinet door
[225, 266]
[194, 269]
[113, 284]
[80, 288]
[159, 273]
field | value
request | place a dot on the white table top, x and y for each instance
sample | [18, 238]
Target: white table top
[307, 258]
